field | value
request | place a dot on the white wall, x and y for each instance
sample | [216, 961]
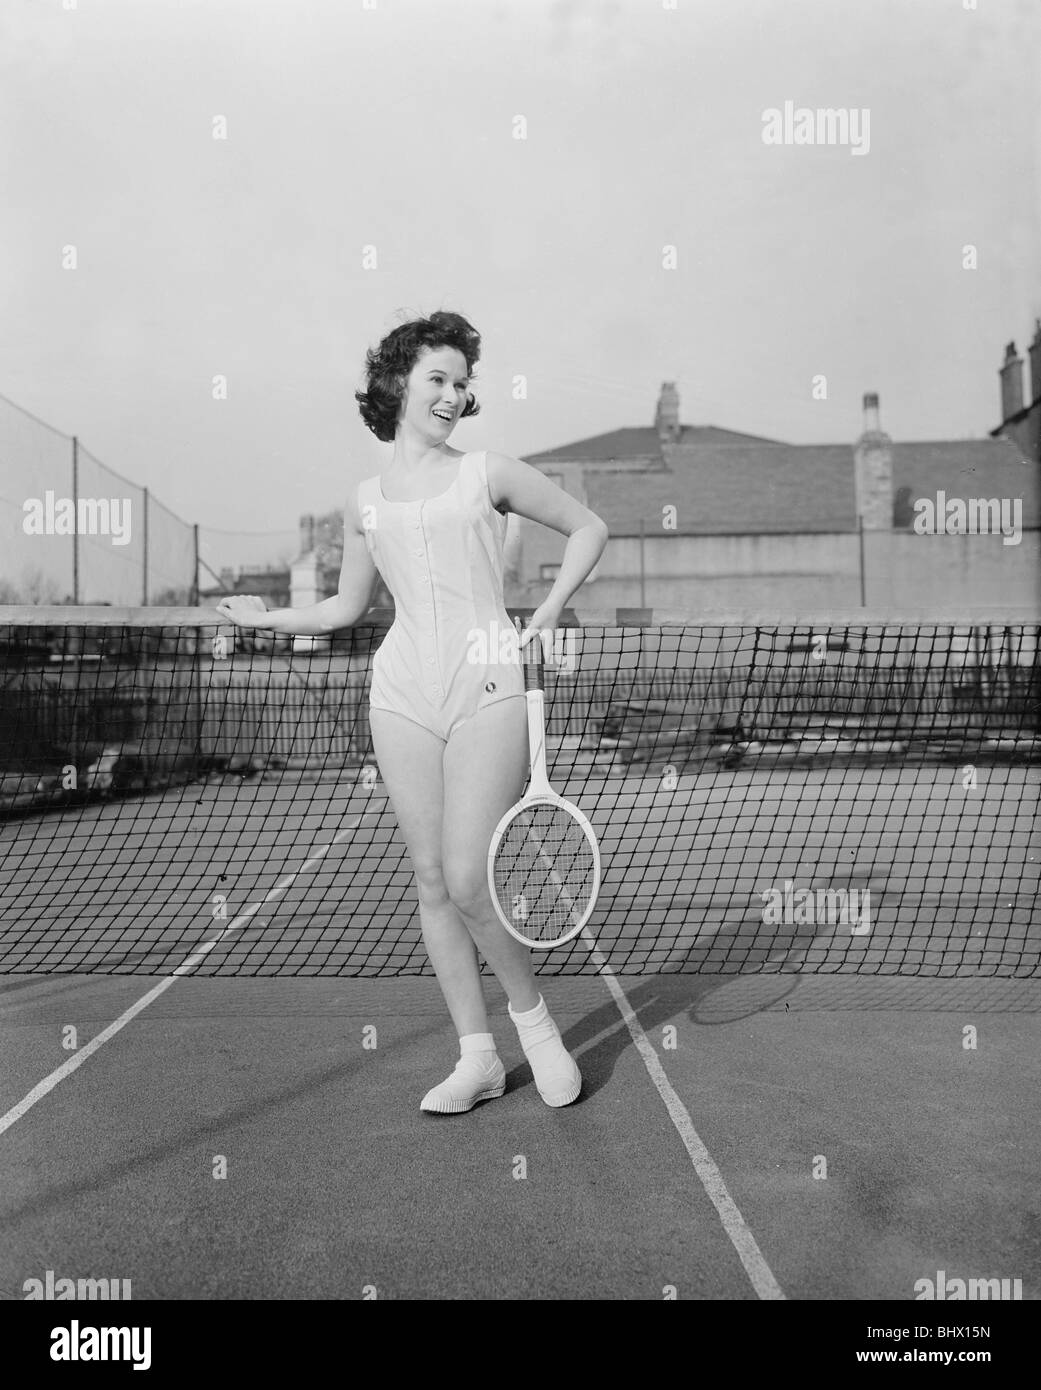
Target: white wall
[789, 572]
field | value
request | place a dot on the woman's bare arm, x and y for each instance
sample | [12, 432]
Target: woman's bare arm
[345, 608]
[524, 490]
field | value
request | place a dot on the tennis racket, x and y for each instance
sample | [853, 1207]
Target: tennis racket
[543, 861]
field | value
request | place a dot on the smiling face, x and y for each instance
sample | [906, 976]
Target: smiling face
[435, 394]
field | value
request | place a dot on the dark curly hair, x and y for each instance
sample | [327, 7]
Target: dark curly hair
[387, 366]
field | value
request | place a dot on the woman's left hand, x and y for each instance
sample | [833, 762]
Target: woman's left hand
[546, 618]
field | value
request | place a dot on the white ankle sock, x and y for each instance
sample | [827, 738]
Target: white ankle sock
[556, 1073]
[473, 1044]
[478, 1075]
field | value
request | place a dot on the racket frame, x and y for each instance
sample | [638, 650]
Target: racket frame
[539, 792]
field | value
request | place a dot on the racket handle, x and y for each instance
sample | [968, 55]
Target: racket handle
[532, 659]
[534, 664]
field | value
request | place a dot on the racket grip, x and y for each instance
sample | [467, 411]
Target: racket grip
[534, 665]
[532, 659]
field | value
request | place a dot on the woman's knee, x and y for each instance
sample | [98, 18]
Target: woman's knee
[467, 887]
[430, 884]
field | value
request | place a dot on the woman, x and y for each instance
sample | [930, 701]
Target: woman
[447, 714]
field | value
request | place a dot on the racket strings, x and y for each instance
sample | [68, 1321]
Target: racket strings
[544, 872]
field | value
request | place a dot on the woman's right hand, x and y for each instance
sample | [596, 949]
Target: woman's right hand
[242, 609]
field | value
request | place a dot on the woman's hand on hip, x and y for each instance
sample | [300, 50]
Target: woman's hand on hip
[546, 618]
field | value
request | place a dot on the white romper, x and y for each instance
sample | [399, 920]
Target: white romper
[449, 651]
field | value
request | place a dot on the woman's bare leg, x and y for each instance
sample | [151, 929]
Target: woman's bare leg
[410, 763]
[485, 768]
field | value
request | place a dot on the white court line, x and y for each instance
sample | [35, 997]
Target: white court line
[78, 1058]
[742, 1239]
[758, 1271]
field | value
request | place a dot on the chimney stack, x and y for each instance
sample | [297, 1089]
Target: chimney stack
[667, 414]
[873, 471]
[1035, 364]
[1011, 384]
[306, 533]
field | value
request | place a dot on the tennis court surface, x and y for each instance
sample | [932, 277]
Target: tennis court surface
[806, 1011]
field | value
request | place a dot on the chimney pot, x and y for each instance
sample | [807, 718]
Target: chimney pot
[873, 471]
[1011, 376]
[1035, 364]
[667, 414]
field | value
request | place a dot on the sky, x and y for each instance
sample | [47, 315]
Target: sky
[392, 124]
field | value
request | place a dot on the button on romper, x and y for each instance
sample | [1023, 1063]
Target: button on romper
[444, 657]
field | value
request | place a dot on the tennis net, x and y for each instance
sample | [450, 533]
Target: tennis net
[857, 792]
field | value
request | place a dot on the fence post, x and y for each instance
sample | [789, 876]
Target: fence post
[643, 601]
[863, 580]
[75, 519]
[144, 557]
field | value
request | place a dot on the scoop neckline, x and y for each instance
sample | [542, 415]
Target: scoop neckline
[418, 501]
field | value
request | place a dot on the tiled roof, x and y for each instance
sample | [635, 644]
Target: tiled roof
[776, 487]
[641, 443]
[733, 487]
[970, 468]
